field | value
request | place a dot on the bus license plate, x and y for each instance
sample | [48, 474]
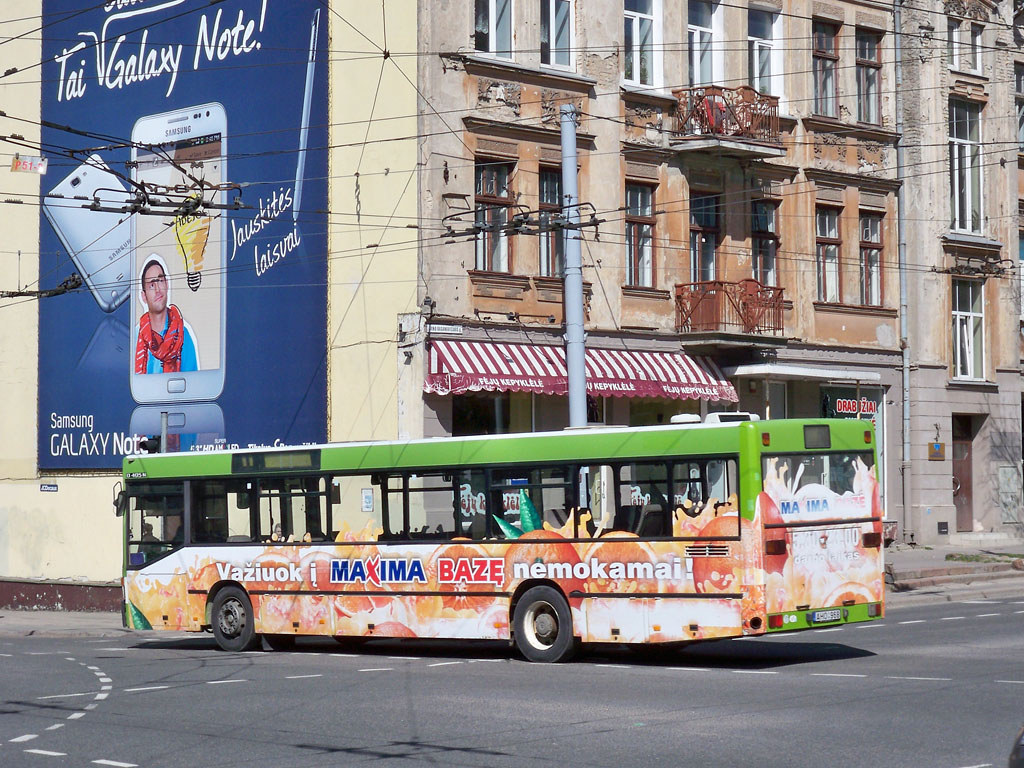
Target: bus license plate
[822, 617]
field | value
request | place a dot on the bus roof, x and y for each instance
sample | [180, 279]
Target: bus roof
[528, 448]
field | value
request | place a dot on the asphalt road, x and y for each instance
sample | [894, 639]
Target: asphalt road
[938, 685]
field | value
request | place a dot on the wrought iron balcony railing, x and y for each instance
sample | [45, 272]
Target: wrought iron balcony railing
[746, 307]
[740, 113]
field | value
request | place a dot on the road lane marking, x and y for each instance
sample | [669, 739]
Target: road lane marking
[115, 763]
[89, 706]
[869, 626]
[1011, 682]
[834, 674]
[64, 695]
[755, 672]
[689, 669]
[76, 715]
[101, 696]
[377, 669]
[300, 677]
[147, 688]
[104, 679]
[614, 666]
[220, 682]
[25, 737]
[55, 726]
[915, 621]
[831, 629]
[46, 753]
[444, 663]
[985, 615]
[951, 618]
[935, 679]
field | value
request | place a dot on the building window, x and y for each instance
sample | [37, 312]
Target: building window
[703, 237]
[493, 202]
[869, 72]
[827, 254]
[968, 329]
[963, 45]
[826, 58]
[760, 50]
[555, 32]
[1018, 79]
[965, 165]
[638, 42]
[494, 27]
[764, 241]
[552, 240]
[871, 259]
[700, 36]
[640, 235]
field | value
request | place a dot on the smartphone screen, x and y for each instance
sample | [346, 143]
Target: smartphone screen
[179, 257]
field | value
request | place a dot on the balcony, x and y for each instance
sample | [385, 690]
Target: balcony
[745, 308]
[737, 121]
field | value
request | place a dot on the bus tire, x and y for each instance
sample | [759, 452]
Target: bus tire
[234, 625]
[543, 626]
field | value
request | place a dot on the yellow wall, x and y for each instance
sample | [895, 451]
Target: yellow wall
[373, 265]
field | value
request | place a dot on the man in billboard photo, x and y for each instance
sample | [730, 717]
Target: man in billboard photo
[165, 342]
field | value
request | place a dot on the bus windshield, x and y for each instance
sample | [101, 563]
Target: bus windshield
[155, 520]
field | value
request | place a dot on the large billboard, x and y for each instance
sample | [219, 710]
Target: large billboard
[187, 186]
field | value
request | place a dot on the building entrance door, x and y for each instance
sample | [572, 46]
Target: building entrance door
[963, 480]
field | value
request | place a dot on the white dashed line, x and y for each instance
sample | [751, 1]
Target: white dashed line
[147, 688]
[915, 621]
[24, 737]
[55, 726]
[76, 715]
[870, 626]
[934, 679]
[221, 682]
[405, 658]
[89, 707]
[986, 615]
[376, 669]
[46, 753]
[115, 763]
[300, 677]
[755, 672]
[1011, 682]
[833, 674]
[104, 679]
[689, 669]
[101, 696]
[613, 666]
[832, 629]
[444, 663]
[63, 696]
[8, 655]
[951, 618]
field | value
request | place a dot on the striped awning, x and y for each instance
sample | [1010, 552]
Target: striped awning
[456, 366]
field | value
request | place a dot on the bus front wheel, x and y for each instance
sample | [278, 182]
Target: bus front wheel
[233, 622]
[543, 626]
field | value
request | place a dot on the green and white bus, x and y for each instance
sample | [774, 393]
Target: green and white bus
[667, 534]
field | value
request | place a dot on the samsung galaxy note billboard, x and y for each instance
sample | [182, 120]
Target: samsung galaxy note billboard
[187, 186]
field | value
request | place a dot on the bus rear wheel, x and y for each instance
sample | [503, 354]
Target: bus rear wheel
[543, 626]
[234, 626]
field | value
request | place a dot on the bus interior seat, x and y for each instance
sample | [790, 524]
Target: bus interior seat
[652, 522]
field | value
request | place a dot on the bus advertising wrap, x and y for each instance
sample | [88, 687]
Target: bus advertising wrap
[187, 187]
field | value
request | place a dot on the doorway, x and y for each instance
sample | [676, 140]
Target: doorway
[963, 476]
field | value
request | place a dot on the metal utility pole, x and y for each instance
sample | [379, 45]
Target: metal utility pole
[573, 288]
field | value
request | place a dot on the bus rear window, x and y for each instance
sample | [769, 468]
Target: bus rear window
[835, 471]
[820, 486]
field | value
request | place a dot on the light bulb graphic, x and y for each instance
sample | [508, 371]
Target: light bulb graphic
[192, 231]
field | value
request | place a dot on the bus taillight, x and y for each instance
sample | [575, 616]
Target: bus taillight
[775, 547]
[775, 621]
[874, 610]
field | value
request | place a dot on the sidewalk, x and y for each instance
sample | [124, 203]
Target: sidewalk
[914, 576]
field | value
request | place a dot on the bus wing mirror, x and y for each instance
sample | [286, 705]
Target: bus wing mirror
[120, 502]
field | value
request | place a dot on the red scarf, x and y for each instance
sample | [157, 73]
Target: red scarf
[166, 349]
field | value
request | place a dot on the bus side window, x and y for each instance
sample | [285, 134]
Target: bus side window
[596, 499]
[643, 499]
[239, 502]
[432, 507]
[358, 513]
[209, 512]
[472, 487]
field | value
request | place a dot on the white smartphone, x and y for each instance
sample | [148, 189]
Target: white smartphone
[99, 242]
[190, 426]
[179, 259]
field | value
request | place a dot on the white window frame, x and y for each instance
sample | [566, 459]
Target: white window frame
[872, 246]
[964, 44]
[968, 330]
[764, 242]
[634, 19]
[640, 232]
[1018, 79]
[828, 250]
[494, 48]
[869, 78]
[825, 71]
[966, 177]
[705, 234]
[775, 81]
[554, 48]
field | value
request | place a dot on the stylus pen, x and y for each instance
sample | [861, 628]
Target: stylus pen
[307, 101]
